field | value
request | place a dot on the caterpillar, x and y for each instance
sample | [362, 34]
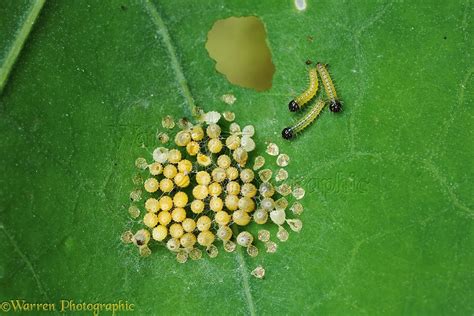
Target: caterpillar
[308, 94]
[290, 132]
[334, 104]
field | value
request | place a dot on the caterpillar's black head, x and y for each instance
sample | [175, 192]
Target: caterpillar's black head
[335, 106]
[293, 106]
[287, 133]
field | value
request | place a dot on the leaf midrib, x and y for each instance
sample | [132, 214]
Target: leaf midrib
[186, 92]
[19, 42]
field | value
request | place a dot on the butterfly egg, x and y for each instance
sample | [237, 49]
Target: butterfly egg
[214, 145]
[151, 185]
[247, 175]
[197, 206]
[212, 117]
[188, 240]
[141, 163]
[258, 163]
[213, 131]
[258, 272]
[283, 160]
[200, 192]
[160, 154]
[136, 195]
[188, 225]
[182, 256]
[278, 217]
[231, 202]
[185, 166]
[216, 204]
[224, 161]
[252, 251]
[173, 244]
[295, 224]
[232, 173]
[244, 239]
[181, 180]
[282, 234]
[265, 175]
[240, 156]
[178, 214]
[229, 246]
[174, 156]
[263, 235]
[222, 218]
[141, 237]
[184, 124]
[203, 223]
[248, 130]
[229, 116]
[152, 205]
[182, 138]
[234, 128]
[192, 148]
[212, 251]
[214, 189]
[168, 122]
[170, 171]
[166, 185]
[246, 204]
[247, 144]
[180, 199]
[267, 203]
[281, 203]
[249, 190]
[150, 219]
[162, 137]
[224, 233]
[271, 246]
[155, 168]
[205, 238]
[284, 189]
[203, 177]
[241, 218]
[164, 218]
[203, 160]
[137, 179]
[166, 203]
[232, 142]
[218, 174]
[195, 254]
[233, 188]
[133, 211]
[197, 133]
[176, 230]
[281, 175]
[144, 251]
[298, 192]
[266, 189]
[297, 208]
[260, 216]
[159, 233]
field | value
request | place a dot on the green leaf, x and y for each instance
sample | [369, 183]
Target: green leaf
[388, 221]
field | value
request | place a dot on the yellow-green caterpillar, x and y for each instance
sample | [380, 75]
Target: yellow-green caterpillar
[334, 103]
[308, 94]
[290, 132]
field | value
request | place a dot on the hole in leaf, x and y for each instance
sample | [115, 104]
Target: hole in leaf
[239, 47]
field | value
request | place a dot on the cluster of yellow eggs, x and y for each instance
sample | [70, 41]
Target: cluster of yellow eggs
[203, 191]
